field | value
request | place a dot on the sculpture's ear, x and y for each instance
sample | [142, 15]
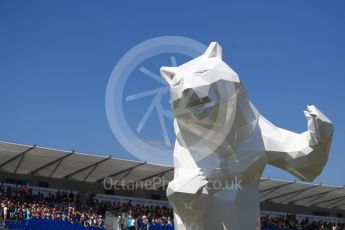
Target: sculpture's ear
[168, 73]
[214, 50]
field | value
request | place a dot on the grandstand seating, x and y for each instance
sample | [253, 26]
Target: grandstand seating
[48, 224]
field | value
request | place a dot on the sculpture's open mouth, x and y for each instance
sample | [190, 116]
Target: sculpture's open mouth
[201, 107]
[200, 102]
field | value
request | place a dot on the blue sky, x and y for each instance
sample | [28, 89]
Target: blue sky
[56, 58]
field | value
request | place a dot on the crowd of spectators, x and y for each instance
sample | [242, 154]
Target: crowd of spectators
[290, 222]
[21, 204]
[141, 217]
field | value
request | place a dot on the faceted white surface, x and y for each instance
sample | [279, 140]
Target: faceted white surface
[223, 144]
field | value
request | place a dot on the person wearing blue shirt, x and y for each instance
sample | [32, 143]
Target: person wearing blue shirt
[131, 223]
[27, 216]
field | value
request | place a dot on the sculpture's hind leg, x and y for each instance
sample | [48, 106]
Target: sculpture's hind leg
[233, 209]
[226, 209]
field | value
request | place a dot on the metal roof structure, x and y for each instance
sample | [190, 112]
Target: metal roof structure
[302, 194]
[71, 165]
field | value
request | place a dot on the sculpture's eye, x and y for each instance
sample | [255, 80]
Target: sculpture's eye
[176, 83]
[201, 72]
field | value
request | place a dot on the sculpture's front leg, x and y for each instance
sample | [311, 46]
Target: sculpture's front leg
[188, 196]
[304, 155]
[187, 192]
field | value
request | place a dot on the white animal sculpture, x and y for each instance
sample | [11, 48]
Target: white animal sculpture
[223, 144]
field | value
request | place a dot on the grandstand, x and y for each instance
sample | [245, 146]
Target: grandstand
[46, 171]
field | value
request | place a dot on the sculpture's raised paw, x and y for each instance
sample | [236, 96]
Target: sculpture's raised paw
[318, 123]
[313, 111]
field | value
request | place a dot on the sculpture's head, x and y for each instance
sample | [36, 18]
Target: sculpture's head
[204, 93]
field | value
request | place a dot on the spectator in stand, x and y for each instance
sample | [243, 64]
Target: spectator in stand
[143, 223]
[130, 223]
[4, 209]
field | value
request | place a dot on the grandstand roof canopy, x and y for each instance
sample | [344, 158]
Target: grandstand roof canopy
[60, 164]
[71, 165]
